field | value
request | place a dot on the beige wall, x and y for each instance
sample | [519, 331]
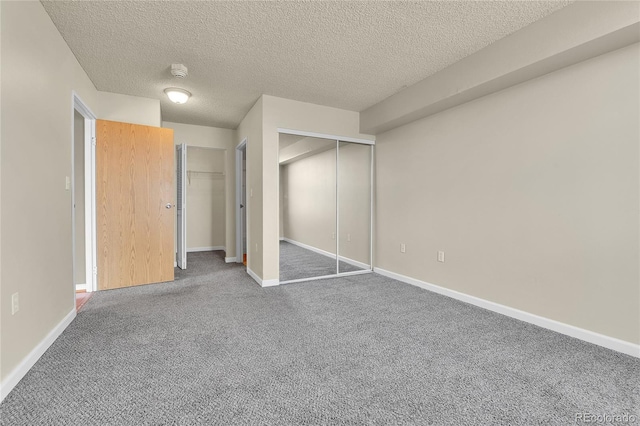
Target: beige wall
[251, 128]
[80, 272]
[532, 192]
[309, 201]
[205, 198]
[39, 73]
[218, 138]
[129, 109]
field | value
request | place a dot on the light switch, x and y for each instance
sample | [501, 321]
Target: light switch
[15, 303]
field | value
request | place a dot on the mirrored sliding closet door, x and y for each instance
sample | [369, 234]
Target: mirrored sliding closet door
[325, 207]
[354, 207]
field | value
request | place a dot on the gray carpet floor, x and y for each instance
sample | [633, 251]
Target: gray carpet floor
[213, 348]
[298, 263]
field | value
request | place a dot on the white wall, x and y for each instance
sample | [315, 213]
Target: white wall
[533, 193]
[39, 73]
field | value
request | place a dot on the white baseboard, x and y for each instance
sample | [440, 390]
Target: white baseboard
[355, 263]
[81, 287]
[212, 248]
[270, 283]
[311, 248]
[328, 254]
[559, 327]
[230, 259]
[260, 281]
[23, 368]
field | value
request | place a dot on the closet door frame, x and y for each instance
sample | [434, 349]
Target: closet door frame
[339, 139]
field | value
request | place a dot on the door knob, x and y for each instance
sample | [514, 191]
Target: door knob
[168, 206]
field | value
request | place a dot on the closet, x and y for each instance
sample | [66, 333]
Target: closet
[201, 200]
[325, 206]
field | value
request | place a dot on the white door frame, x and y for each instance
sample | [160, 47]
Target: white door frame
[89, 190]
[242, 146]
[181, 203]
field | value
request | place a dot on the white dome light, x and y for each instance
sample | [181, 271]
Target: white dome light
[178, 96]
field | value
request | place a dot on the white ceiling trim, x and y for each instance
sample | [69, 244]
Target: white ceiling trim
[326, 136]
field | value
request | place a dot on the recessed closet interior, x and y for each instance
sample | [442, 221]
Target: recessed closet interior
[203, 207]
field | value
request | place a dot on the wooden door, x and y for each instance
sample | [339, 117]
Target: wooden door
[134, 204]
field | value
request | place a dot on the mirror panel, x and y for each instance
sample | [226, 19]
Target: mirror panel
[354, 207]
[307, 207]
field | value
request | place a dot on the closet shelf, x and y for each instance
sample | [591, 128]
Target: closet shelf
[205, 174]
[201, 171]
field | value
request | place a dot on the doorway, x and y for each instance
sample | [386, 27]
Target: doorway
[241, 203]
[82, 186]
[201, 215]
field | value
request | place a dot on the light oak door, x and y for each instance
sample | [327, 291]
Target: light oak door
[134, 204]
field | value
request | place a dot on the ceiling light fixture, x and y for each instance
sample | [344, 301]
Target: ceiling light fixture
[178, 96]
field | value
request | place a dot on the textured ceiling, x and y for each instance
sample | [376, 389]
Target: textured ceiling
[344, 54]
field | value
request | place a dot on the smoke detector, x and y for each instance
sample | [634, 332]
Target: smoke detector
[179, 70]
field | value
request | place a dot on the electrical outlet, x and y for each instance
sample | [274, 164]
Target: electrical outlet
[256, 247]
[349, 237]
[67, 183]
[403, 248]
[333, 235]
[15, 303]
[441, 256]
[250, 192]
